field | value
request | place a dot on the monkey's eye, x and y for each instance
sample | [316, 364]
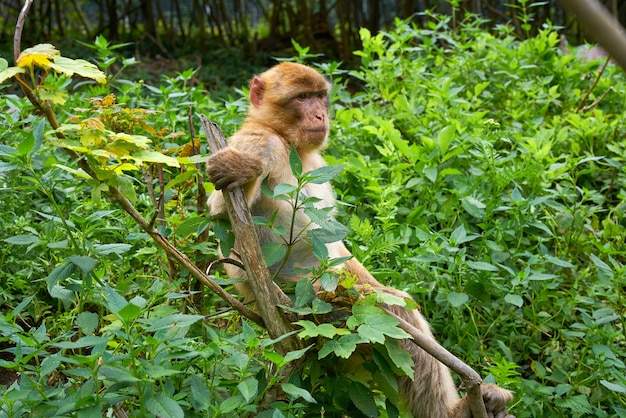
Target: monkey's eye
[322, 95]
[302, 96]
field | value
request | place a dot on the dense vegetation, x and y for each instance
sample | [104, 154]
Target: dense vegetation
[483, 174]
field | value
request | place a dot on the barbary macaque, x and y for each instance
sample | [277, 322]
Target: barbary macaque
[289, 107]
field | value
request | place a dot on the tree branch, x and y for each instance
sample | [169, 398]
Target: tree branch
[268, 294]
[604, 28]
[471, 379]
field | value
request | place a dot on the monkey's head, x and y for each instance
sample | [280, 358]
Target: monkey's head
[292, 100]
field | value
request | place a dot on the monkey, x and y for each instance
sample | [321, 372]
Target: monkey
[289, 107]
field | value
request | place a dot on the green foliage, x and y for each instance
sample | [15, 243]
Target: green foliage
[480, 173]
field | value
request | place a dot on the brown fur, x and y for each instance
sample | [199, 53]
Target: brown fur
[289, 106]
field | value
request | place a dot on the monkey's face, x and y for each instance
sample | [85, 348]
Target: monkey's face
[312, 108]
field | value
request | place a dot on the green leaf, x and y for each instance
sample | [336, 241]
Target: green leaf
[115, 374]
[457, 299]
[88, 341]
[310, 330]
[323, 174]
[329, 281]
[248, 389]
[105, 249]
[481, 265]
[174, 320]
[195, 225]
[400, 357]
[26, 146]
[58, 275]
[431, 173]
[304, 293]
[296, 392]
[232, 403]
[343, 347]
[513, 299]
[22, 240]
[295, 162]
[297, 354]
[541, 276]
[473, 206]
[378, 326]
[163, 406]
[273, 253]
[363, 399]
[445, 137]
[129, 313]
[84, 263]
[283, 189]
[87, 322]
[614, 387]
[114, 300]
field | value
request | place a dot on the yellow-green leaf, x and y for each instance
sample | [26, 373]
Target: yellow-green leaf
[77, 173]
[155, 157]
[69, 67]
[119, 169]
[39, 55]
[140, 141]
[7, 72]
[54, 96]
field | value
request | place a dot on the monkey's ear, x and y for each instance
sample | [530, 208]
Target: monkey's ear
[257, 88]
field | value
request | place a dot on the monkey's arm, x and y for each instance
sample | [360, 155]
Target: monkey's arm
[230, 168]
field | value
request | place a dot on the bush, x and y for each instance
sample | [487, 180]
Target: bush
[483, 175]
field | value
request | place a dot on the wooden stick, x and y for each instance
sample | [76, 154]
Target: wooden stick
[268, 295]
[471, 379]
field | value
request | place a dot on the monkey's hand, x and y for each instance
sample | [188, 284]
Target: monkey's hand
[495, 399]
[230, 168]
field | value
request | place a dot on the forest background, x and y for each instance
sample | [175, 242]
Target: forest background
[484, 174]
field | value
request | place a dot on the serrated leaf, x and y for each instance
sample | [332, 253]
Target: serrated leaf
[87, 322]
[69, 67]
[163, 406]
[283, 189]
[22, 240]
[323, 174]
[248, 389]
[457, 299]
[614, 387]
[273, 253]
[445, 137]
[541, 276]
[174, 320]
[481, 265]
[296, 392]
[114, 300]
[311, 330]
[115, 374]
[196, 225]
[400, 357]
[84, 263]
[516, 300]
[329, 281]
[363, 399]
[129, 313]
[304, 293]
[295, 162]
[104, 249]
[473, 206]
[343, 347]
